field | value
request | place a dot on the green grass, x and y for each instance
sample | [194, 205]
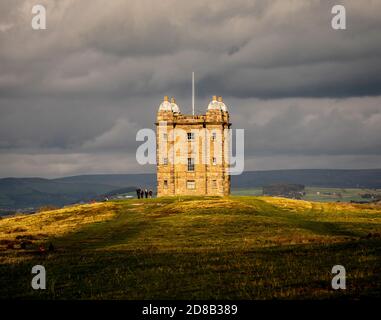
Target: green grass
[196, 248]
[319, 194]
[246, 191]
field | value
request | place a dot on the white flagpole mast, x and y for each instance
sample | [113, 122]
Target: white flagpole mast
[193, 93]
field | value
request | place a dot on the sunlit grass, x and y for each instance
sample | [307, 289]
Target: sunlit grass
[54, 223]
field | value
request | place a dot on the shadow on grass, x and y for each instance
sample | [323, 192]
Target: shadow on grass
[297, 220]
[327, 228]
[293, 272]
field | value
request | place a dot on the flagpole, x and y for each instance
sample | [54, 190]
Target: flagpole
[193, 93]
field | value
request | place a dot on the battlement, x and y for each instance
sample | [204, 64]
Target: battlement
[216, 112]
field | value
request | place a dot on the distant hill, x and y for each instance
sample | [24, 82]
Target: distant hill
[22, 193]
[333, 178]
[143, 180]
[370, 178]
[118, 192]
[19, 193]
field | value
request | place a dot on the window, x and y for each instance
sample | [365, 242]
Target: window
[165, 161]
[190, 136]
[190, 164]
[191, 184]
[214, 136]
[165, 136]
[214, 160]
[165, 183]
[214, 184]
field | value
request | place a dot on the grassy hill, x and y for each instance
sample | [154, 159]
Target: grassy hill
[195, 248]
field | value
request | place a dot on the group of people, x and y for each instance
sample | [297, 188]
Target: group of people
[141, 193]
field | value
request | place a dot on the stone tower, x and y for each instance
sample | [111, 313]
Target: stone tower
[192, 150]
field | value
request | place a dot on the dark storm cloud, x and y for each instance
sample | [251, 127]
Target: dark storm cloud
[311, 127]
[247, 49]
[73, 96]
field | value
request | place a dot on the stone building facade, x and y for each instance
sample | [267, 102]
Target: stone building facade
[193, 150]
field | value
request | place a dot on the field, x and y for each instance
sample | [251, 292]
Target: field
[319, 194]
[239, 247]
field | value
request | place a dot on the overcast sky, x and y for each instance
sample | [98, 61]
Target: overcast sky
[72, 97]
